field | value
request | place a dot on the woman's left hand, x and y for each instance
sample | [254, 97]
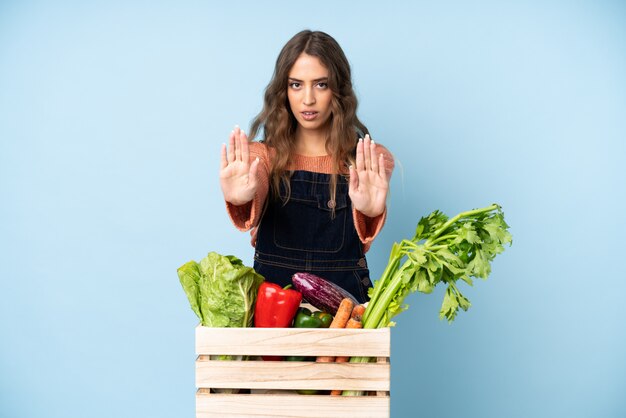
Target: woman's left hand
[368, 181]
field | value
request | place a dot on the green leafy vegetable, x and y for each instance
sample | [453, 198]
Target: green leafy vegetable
[442, 251]
[221, 290]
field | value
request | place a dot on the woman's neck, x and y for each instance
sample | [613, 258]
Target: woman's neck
[310, 143]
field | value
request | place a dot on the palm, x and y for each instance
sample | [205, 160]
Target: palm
[234, 177]
[237, 175]
[368, 181]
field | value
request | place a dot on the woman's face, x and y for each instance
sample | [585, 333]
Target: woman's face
[308, 93]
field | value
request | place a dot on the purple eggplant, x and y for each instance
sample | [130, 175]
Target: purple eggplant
[321, 293]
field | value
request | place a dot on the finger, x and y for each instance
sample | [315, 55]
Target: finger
[374, 158]
[231, 147]
[245, 150]
[366, 152]
[359, 156]
[381, 167]
[254, 168]
[237, 144]
[353, 185]
[223, 160]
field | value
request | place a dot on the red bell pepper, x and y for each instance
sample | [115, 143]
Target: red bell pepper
[275, 308]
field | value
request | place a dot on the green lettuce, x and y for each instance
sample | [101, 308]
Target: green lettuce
[221, 290]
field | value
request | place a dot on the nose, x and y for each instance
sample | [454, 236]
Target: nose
[309, 96]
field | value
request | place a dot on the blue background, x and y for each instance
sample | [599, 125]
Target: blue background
[111, 119]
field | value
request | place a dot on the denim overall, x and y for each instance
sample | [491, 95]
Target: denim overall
[301, 236]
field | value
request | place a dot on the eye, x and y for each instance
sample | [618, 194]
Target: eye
[294, 85]
[322, 85]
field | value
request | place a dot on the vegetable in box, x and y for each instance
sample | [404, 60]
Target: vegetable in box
[221, 290]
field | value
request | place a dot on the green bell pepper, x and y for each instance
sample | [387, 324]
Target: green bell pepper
[306, 319]
[325, 317]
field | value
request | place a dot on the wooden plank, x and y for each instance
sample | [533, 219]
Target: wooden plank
[293, 406]
[292, 375]
[383, 360]
[293, 341]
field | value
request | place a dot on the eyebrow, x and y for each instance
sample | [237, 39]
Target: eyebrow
[317, 79]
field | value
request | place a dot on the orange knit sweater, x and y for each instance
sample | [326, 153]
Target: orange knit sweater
[247, 216]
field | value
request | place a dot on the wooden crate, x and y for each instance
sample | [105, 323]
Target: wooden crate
[259, 375]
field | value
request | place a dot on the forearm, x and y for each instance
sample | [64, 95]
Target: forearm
[368, 228]
[247, 216]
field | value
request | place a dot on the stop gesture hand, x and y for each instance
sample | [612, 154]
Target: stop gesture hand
[368, 181]
[237, 176]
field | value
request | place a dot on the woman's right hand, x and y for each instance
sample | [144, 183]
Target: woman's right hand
[237, 176]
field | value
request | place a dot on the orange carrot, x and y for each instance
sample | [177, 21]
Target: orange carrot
[341, 319]
[357, 312]
[354, 322]
[343, 314]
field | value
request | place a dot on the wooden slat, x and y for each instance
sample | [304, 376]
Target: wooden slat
[292, 375]
[383, 360]
[293, 341]
[293, 406]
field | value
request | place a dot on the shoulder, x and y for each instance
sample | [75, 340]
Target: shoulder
[387, 155]
[381, 149]
[257, 147]
[261, 151]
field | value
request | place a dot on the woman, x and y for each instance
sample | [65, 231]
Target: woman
[316, 185]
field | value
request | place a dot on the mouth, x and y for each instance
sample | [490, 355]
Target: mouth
[309, 115]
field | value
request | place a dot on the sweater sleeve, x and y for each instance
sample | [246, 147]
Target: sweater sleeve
[367, 228]
[247, 216]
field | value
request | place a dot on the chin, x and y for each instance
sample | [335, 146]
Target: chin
[314, 125]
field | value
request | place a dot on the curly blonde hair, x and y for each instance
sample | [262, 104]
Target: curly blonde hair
[279, 124]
